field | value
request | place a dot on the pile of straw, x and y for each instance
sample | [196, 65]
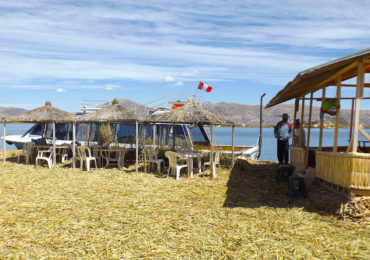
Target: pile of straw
[108, 213]
[358, 208]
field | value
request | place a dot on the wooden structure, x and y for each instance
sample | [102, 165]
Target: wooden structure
[347, 168]
[192, 113]
[116, 113]
[42, 115]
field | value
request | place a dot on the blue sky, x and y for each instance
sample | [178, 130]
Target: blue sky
[69, 51]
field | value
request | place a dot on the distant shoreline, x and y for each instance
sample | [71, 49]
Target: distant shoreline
[305, 126]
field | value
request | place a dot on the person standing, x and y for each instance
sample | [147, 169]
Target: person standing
[282, 132]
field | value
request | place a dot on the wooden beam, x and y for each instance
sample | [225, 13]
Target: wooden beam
[337, 116]
[213, 168]
[296, 90]
[301, 127]
[322, 120]
[137, 147]
[232, 146]
[363, 132]
[325, 83]
[366, 85]
[4, 142]
[359, 93]
[360, 80]
[296, 107]
[342, 98]
[351, 122]
[308, 132]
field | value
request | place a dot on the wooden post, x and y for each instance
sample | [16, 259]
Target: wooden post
[309, 131]
[173, 138]
[351, 123]
[213, 170]
[337, 116]
[322, 120]
[88, 134]
[260, 136]
[137, 146]
[359, 94]
[74, 145]
[296, 107]
[232, 145]
[154, 134]
[191, 136]
[54, 148]
[4, 142]
[301, 127]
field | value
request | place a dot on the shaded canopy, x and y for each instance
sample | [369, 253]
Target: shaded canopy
[190, 113]
[114, 113]
[45, 114]
[321, 76]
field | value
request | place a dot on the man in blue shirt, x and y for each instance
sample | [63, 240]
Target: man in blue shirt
[282, 132]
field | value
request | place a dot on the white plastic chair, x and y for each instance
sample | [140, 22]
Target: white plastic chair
[174, 159]
[84, 155]
[46, 155]
[63, 153]
[26, 152]
[216, 159]
[150, 157]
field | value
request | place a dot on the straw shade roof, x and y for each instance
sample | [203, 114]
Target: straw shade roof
[190, 113]
[321, 76]
[114, 113]
[45, 114]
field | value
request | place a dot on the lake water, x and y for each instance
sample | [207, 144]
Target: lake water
[243, 136]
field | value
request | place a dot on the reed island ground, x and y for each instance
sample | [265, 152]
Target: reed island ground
[108, 213]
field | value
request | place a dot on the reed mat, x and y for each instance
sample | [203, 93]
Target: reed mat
[63, 213]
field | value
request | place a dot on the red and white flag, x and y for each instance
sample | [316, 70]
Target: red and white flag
[205, 87]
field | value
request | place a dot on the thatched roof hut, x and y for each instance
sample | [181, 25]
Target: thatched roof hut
[346, 167]
[190, 113]
[45, 114]
[114, 113]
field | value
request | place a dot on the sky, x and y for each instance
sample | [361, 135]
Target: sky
[72, 51]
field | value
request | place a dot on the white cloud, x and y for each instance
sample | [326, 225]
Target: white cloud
[169, 79]
[190, 73]
[179, 83]
[110, 86]
[60, 90]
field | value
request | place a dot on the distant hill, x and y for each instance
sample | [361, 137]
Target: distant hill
[249, 114]
[238, 113]
[10, 111]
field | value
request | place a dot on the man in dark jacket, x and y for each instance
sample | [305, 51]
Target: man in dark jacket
[282, 132]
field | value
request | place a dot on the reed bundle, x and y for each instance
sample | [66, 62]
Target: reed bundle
[358, 208]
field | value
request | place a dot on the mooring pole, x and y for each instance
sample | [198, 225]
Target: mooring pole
[4, 142]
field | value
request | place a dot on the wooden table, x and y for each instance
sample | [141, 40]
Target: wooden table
[113, 156]
[190, 156]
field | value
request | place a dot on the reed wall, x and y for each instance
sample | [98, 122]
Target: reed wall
[297, 157]
[348, 170]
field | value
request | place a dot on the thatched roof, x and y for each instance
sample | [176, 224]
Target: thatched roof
[45, 114]
[190, 113]
[321, 76]
[114, 113]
